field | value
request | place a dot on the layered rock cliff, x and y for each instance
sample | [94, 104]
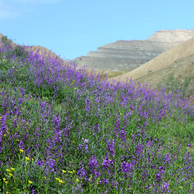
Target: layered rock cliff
[128, 55]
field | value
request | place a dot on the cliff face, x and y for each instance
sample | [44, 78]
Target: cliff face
[128, 55]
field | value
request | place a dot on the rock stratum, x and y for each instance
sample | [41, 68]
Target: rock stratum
[128, 55]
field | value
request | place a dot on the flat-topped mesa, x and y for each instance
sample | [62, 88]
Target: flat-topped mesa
[127, 55]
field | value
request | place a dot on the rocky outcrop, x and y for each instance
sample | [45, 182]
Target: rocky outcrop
[128, 55]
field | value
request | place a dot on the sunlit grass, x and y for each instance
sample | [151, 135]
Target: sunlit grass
[67, 131]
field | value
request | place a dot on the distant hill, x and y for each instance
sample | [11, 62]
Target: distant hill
[180, 51]
[124, 55]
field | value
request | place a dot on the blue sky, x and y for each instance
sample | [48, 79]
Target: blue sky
[72, 28]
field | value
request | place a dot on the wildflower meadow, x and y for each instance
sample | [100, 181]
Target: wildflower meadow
[64, 130]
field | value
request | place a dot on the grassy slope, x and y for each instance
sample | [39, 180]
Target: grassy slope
[71, 107]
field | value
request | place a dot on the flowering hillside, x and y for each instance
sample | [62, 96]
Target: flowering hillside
[67, 131]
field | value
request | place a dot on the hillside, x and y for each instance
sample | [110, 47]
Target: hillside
[65, 132]
[42, 50]
[12, 43]
[180, 51]
[180, 68]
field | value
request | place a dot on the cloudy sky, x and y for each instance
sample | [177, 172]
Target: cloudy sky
[72, 28]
